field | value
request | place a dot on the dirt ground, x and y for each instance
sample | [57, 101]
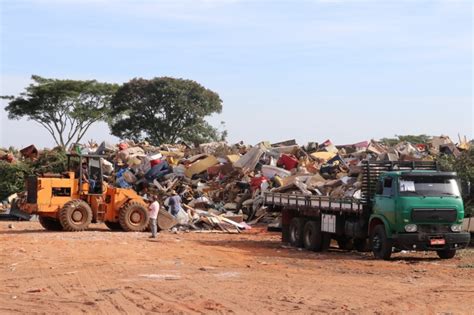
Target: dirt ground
[195, 273]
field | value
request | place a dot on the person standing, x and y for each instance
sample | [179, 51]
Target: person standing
[174, 202]
[154, 208]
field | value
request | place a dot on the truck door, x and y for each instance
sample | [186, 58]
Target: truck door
[384, 201]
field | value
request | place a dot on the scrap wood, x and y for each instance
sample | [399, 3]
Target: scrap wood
[212, 231]
[216, 220]
[237, 225]
[214, 216]
[224, 173]
[169, 185]
[254, 221]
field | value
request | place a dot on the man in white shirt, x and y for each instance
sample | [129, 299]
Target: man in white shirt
[154, 208]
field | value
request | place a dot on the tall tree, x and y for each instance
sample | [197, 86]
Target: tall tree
[164, 110]
[66, 108]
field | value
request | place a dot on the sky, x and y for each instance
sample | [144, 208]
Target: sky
[307, 70]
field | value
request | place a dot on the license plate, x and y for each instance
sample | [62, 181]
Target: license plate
[437, 241]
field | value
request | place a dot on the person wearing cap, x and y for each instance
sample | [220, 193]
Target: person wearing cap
[174, 203]
[154, 208]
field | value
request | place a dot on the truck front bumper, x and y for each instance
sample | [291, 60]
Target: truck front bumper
[423, 241]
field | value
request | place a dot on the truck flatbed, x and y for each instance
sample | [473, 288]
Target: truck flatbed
[312, 202]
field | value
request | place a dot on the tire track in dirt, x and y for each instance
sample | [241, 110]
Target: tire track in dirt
[99, 272]
[413, 298]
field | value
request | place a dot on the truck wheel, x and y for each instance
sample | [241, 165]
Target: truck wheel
[381, 245]
[133, 217]
[446, 253]
[50, 224]
[296, 232]
[114, 226]
[312, 239]
[345, 243]
[76, 215]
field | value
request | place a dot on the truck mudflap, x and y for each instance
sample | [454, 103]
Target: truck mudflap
[426, 241]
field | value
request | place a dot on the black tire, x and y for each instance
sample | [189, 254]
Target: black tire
[362, 245]
[75, 215]
[326, 241]
[345, 243]
[133, 217]
[312, 238]
[381, 245]
[50, 224]
[446, 253]
[114, 226]
[296, 232]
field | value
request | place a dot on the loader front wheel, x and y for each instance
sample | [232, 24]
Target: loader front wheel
[50, 224]
[133, 217]
[76, 215]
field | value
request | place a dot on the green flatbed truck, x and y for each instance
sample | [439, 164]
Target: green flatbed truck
[403, 206]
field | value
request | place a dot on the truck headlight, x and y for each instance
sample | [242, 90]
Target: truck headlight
[411, 228]
[456, 227]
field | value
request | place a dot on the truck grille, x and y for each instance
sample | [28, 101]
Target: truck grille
[433, 228]
[434, 215]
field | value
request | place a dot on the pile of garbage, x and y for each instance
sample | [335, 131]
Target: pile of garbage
[221, 185]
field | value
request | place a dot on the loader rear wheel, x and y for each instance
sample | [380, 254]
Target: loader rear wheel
[50, 224]
[114, 226]
[76, 215]
[133, 217]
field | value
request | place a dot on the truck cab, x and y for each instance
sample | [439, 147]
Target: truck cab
[417, 210]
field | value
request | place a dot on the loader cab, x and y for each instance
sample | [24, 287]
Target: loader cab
[88, 171]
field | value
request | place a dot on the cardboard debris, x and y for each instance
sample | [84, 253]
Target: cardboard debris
[323, 155]
[200, 166]
[221, 185]
[249, 161]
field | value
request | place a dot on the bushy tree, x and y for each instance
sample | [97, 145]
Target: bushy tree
[12, 178]
[65, 108]
[464, 167]
[415, 139]
[164, 110]
[50, 161]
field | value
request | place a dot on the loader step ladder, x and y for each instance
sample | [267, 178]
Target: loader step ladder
[101, 210]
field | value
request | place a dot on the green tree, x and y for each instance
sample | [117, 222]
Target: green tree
[464, 167]
[415, 139]
[13, 175]
[164, 110]
[50, 161]
[12, 178]
[66, 108]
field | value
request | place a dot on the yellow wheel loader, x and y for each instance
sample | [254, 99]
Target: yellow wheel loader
[72, 200]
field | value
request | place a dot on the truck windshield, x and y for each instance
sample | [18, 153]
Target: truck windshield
[428, 186]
